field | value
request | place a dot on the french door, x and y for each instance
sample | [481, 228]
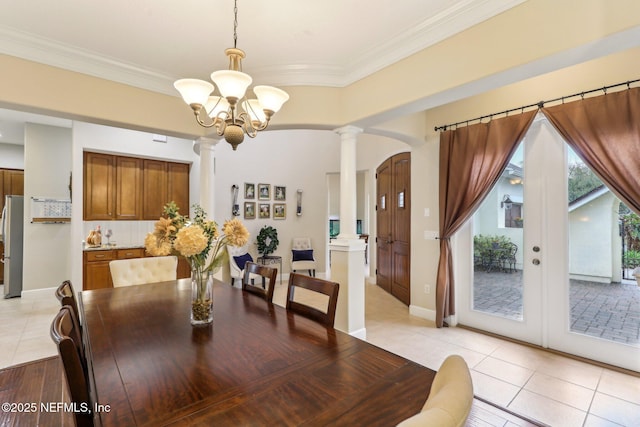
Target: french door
[528, 296]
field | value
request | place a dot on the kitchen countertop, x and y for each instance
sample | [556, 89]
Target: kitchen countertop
[111, 247]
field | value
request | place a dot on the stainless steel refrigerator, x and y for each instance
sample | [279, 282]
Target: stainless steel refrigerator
[12, 233]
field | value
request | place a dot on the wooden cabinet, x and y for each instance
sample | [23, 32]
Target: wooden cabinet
[98, 186]
[154, 195]
[96, 273]
[178, 185]
[129, 253]
[184, 269]
[11, 183]
[129, 188]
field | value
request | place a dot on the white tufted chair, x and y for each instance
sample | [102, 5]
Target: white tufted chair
[237, 271]
[137, 271]
[303, 244]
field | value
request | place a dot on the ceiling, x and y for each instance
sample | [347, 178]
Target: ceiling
[151, 43]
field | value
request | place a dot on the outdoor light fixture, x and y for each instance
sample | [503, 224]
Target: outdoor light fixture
[232, 113]
[506, 202]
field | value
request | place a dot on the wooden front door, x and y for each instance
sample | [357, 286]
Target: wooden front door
[393, 241]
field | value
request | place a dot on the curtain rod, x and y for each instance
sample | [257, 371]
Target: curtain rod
[539, 104]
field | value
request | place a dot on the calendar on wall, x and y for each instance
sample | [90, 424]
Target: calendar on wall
[50, 211]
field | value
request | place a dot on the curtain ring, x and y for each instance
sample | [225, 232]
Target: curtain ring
[582, 96]
[604, 89]
[628, 85]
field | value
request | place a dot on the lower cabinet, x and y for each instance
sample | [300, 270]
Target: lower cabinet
[96, 273]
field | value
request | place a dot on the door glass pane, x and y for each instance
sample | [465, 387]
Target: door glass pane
[497, 245]
[604, 250]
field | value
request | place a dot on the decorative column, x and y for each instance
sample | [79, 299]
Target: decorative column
[347, 251]
[348, 176]
[205, 147]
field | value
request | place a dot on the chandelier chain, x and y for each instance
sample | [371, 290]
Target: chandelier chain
[235, 24]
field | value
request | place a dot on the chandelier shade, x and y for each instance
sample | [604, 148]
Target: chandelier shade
[194, 91]
[231, 84]
[230, 112]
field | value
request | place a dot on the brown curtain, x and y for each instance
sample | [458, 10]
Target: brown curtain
[605, 132]
[471, 162]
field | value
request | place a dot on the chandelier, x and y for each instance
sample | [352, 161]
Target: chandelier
[232, 114]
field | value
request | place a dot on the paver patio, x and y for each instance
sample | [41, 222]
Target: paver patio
[605, 310]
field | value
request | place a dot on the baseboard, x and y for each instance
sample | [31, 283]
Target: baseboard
[422, 312]
[39, 292]
[360, 333]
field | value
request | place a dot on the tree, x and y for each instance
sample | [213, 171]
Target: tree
[582, 180]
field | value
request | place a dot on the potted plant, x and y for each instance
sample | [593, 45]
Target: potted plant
[267, 240]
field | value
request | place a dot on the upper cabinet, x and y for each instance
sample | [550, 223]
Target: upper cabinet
[11, 183]
[99, 186]
[129, 188]
[154, 195]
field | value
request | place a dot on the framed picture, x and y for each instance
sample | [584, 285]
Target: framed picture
[249, 210]
[264, 191]
[265, 210]
[279, 211]
[249, 191]
[279, 193]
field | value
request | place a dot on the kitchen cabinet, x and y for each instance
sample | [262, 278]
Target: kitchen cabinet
[96, 272]
[130, 188]
[98, 186]
[11, 182]
[154, 196]
[178, 185]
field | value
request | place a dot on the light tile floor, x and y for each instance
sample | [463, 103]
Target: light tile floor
[552, 389]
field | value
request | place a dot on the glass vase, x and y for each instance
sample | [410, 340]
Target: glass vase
[201, 297]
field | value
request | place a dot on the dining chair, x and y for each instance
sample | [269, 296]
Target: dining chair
[307, 305]
[66, 335]
[138, 271]
[67, 296]
[450, 398]
[267, 274]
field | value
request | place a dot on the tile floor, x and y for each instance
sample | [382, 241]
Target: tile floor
[552, 389]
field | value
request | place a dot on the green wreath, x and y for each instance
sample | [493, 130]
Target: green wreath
[267, 240]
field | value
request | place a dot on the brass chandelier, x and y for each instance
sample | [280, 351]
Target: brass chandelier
[232, 114]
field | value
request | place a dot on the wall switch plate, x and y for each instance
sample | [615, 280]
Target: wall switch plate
[427, 289]
[427, 212]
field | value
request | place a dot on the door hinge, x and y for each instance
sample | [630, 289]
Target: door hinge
[376, 176]
[376, 207]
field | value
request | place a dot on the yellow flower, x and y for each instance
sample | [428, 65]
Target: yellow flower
[190, 241]
[164, 227]
[157, 247]
[235, 232]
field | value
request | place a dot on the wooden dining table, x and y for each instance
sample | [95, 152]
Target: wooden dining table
[257, 364]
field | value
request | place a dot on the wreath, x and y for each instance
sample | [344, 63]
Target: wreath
[267, 240]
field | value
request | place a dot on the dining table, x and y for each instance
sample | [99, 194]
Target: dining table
[256, 364]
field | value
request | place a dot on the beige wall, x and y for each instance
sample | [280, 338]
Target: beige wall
[470, 74]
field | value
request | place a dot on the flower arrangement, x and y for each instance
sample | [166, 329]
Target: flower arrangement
[200, 242]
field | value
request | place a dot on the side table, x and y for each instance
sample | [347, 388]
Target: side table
[271, 259]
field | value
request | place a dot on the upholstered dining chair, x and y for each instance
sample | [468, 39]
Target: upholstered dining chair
[450, 399]
[265, 275]
[238, 257]
[66, 335]
[308, 304]
[302, 255]
[67, 296]
[138, 271]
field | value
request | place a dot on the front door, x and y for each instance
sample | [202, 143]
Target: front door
[393, 241]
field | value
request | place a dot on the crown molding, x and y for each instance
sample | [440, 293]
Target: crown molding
[448, 22]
